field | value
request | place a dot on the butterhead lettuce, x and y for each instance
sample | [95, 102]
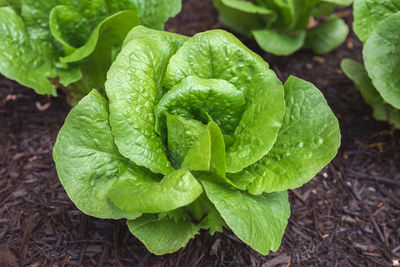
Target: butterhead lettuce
[281, 27]
[377, 24]
[70, 44]
[195, 133]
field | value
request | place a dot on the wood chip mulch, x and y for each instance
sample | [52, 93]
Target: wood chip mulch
[348, 215]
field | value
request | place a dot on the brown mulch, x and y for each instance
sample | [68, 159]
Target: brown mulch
[349, 215]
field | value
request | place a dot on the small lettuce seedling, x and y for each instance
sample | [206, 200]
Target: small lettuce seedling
[70, 44]
[281, 27]
[195, 133]
[377, 24]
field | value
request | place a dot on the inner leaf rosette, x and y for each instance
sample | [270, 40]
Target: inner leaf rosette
[196, 133]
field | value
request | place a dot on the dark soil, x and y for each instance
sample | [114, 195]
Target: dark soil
[349, 215]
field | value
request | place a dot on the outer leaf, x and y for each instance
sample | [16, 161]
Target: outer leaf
[177, 189]
[358, 74]
[382, 59]
[219, 55]
[162, 236]
[369, 13]
[381, 110]
[259, 221]
[133, 87]
[279, 43]
[86, 159]
[308, 140]
[327, 36]
[29, 62]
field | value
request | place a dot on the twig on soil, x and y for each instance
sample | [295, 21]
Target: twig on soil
[364, 176]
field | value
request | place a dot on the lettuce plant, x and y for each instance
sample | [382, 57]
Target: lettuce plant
[70, 44]
[377, 24]
[195, 133]
[281, 27]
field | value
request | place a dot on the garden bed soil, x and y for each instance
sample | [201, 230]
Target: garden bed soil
[348, 215]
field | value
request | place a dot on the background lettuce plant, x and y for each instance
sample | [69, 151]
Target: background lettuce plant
[377, 24]
[48, 43]
[280, 27]
[196, 133]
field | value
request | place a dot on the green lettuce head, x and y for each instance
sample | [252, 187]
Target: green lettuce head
[377, 24]
[281, 27]
[195, 133]
[70, 44]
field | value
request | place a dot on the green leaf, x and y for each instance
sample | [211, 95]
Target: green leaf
[219, 55]
[69, 27]
[133, 87]
[242, 179]
[248, 7]
[28, 61]
[285, 12]
[108, 33]
[259, 221]
[292, 14]
[140, 32]
[358, 74]
[154, 13]
[96, 55]
[302, 10]
[178, 215]
[177, 189]
[86, 33]
[381, 110]
[327, 36]
[15, 4]
[72, 24]
[208, 153]
[203, 211]
[382, 59]
[279, 26]
[339, 2]
[191, 97]
[87, 161]
[182, 134]
[308, 140]
[243, 16]
[162, 236]
[279, 43]
[369, 13]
